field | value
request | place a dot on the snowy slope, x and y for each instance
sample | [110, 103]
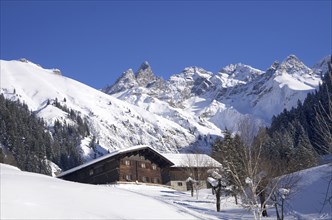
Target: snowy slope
[114, 123]
[33, 196]
[41, 197]
[308, 202]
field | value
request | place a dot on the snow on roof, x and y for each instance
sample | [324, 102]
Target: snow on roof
[191, 160]
[116, 152]
[179, 160]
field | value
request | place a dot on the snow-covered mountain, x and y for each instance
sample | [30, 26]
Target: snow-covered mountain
[189, 110]
[235, 93]
[115, 124]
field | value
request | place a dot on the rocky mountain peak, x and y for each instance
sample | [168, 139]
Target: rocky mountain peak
[126, 81]
[241, 72]
[322, 66]
[275, 65]
[293, 65]
[144, 75]
[229, 69]
[145, 65]
[195, 72]
[272, 69]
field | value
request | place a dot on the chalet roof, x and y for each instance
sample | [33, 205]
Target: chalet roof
[191, 160]
[112, 154]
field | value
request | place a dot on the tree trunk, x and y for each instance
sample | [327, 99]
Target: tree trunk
[264, 213]
[282, 209]
[263, 205]
[277, 211]
[218, 199]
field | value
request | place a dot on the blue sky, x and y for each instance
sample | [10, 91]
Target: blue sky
[94, 42]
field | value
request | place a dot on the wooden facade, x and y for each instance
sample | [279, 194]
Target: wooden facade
[137, 167]
[144, 164]
[194, 166]
[139, 163]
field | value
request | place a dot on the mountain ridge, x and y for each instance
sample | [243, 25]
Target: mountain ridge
[233, 81]
[188, 111]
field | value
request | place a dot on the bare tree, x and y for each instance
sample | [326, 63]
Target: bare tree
[248, 128]
[287, 188]
[251, 172]
[323, 128]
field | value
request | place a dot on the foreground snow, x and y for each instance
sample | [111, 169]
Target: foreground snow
[33, 196]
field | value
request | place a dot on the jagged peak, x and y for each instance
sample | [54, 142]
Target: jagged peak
[128, 72]
[240, 72]
[274, 65]
[292, 60]
[196, 69]
[195, 72]
[126, 81]
[145, 65]
[229, 69]
[293, 65]
[291, 57]
[144, 75]
[327, 59]
[322, 66]
[272, 69]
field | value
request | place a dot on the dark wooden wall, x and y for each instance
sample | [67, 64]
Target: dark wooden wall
[116, 169]
[100, 173]
[165, 175]
[179, 173]
[133, 168]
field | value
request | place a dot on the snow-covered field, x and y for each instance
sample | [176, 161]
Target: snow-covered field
[33, 196]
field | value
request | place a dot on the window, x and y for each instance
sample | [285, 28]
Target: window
[155, 180]
[128, 177]
[179, 183]
[127, 162]
[154, 166]
[91, 172]
[145, 179]
[143, 165]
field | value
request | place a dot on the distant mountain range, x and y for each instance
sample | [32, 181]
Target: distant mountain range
[189, 110]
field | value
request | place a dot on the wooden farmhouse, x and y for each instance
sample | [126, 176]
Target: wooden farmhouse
[146, 165]
[189, 166]
[138, 163]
